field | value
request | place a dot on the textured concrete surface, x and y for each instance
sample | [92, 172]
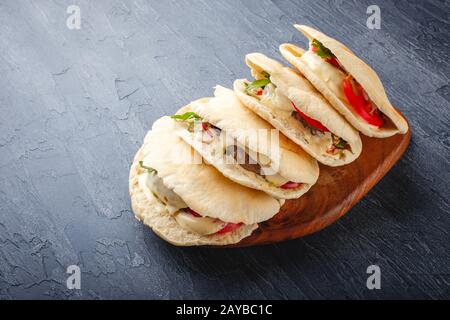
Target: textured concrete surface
[75, 105]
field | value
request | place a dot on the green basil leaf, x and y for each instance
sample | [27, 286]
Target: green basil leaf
[322, 51]
[186, 116]
[341, 144]
[149, 169]
[265, 74]
[257, 84]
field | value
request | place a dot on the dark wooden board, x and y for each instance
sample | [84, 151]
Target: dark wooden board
[337, 190]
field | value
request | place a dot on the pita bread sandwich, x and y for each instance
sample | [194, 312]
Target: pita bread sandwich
[350, 85]
[187, 202]
[245, 148]
[290, 103]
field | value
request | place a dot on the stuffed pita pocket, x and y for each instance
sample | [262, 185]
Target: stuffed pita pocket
[247, 149]
[188, 202]
[291, 104]
[350, 85]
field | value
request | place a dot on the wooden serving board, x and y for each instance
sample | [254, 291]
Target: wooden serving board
[336, 191]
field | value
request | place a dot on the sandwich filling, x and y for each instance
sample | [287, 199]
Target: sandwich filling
[249, 160]
[327, 68]
[268, 94]
[186, 217]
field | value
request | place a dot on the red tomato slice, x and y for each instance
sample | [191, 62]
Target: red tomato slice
[313, 123]
[334, 62]
[195, 214]
[229, 227]
[362, 107]
[290, 185]
[205, 127]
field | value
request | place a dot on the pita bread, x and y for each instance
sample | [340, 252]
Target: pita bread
[154, 214]
[363, 73]
[200, 185]
[310, 102]
[227, 113]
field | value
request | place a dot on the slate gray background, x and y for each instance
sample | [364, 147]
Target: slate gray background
[75, 105]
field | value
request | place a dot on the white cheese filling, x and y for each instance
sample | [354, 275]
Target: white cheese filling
[167, 196]
[176, 207]
[201, 225]
[277, 179]
[272, 97]
[332, 76]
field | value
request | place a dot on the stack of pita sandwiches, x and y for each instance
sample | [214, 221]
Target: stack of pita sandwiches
[210, 173]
